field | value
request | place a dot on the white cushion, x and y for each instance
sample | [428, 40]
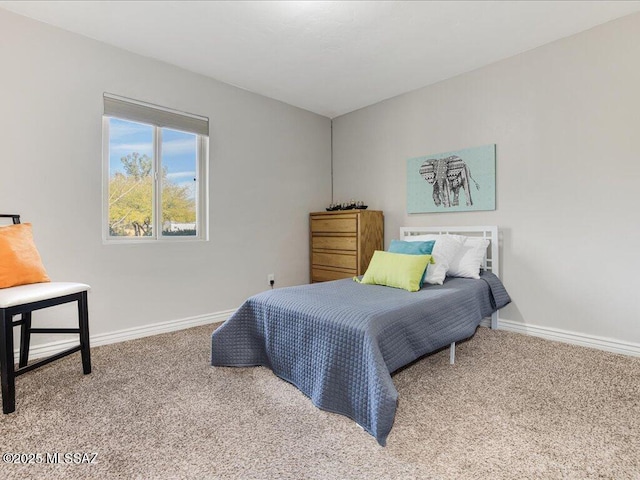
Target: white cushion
[444, 251]
[469, 258]
[12, 296]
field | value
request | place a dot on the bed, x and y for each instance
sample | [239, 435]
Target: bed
[339, 342]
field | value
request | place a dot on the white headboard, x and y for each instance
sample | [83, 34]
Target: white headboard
[491, 261]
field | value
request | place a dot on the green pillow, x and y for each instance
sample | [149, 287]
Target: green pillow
[397, 270]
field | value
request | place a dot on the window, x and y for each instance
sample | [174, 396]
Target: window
[154, 169]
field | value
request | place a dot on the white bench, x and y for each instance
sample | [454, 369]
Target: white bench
[23, 300]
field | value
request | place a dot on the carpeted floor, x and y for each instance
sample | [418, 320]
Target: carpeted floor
[513, 407]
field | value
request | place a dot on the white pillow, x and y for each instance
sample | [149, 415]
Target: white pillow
[444, 251]
[469, 258]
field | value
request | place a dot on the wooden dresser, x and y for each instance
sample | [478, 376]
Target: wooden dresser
[343, 242]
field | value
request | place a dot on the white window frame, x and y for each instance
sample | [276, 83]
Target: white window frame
[202, 184]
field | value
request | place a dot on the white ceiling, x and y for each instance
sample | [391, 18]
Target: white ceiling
[327, 57]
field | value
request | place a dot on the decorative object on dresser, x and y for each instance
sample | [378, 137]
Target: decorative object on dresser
[342, 242]
[350, 205]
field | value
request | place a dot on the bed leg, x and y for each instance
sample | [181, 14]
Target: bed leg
[494, 320]
[452, 353]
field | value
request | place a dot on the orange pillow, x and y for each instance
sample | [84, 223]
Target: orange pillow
[20, 262]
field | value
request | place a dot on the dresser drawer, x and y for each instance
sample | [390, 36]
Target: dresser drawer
[322, 275]
[321, 242]
[334, 225]
[335, 260]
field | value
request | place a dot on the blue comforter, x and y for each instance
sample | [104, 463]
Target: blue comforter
[339, 342]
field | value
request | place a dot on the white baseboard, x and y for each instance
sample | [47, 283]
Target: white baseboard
[592, 341]
[48, 349]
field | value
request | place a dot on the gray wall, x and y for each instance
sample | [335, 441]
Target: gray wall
[269, 163]
[565, 118]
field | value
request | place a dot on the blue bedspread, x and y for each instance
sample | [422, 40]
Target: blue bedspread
[339, 342]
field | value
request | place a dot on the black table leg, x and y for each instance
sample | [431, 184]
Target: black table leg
[7, 368]
[83, 316]
[25, 339]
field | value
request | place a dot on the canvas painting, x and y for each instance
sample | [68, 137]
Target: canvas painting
[458, 181]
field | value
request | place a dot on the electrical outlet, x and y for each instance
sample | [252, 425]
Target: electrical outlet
[271, 279]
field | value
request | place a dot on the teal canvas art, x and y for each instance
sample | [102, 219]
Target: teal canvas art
[458, 181]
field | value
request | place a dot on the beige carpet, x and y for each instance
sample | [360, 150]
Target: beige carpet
[513, 407]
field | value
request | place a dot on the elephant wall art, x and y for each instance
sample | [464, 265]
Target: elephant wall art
[448, 176]
[435, 182]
